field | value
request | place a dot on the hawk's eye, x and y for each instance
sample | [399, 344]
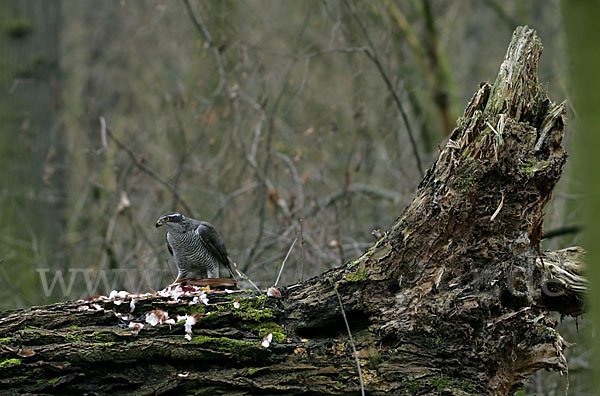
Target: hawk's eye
[167, 219]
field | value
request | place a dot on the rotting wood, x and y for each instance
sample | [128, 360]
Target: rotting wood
[446, 302]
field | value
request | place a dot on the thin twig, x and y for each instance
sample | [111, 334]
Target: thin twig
[371, 53]
[302, 245]
[362, 385]
[284, 260]
[499, 208]
[242, 275]
[102, 136]
[233, 195]
[141, 166]
[294, 171]
[201, 26]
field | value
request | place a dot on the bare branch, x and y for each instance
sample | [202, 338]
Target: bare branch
[146, 169]
[201, 26]
[284, 260]
[371, 53]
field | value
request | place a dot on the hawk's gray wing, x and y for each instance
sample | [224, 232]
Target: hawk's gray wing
[214, 243]
[168, 244]
[212, 240]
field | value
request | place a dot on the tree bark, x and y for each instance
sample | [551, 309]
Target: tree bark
[454, 299]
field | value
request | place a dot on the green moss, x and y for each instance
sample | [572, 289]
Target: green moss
[10, 363]
[251, 302]
[55, 380]
[253, 314]
[466, 175]
[252, 370]
[440, 384]
[4, 339]
[261, 329]
[75, 338]
[358, 275]
[412, 387]
[365, 255]
[102, 336]
[103, 344]
[191, 309]
[532, 166]
[18, 27]
[228, 345]
[251, 309]
[74, 327]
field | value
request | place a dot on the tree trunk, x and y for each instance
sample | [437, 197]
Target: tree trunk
[31, 144]
[452, 300]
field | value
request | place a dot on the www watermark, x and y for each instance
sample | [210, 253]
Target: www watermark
[99, 282]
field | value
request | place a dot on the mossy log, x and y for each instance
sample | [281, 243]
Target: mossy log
[454, 299]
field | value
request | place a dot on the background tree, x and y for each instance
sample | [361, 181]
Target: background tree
[33, 177]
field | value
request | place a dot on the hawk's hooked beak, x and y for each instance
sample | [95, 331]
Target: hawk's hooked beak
[158, 223]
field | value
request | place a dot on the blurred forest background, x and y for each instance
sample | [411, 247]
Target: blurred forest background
[274, 120]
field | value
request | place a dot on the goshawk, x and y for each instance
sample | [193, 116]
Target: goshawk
[196, 246]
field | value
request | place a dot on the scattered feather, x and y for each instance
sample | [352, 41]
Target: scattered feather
[203, 298]
[273, 292]
[157, 316]
[135, 327]
[121, 316]
[176, 294]
[189, 322]
[236, 304]
[267, 340]
[184, 374]
[132, 305]
[121, 294]
[181, 317]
